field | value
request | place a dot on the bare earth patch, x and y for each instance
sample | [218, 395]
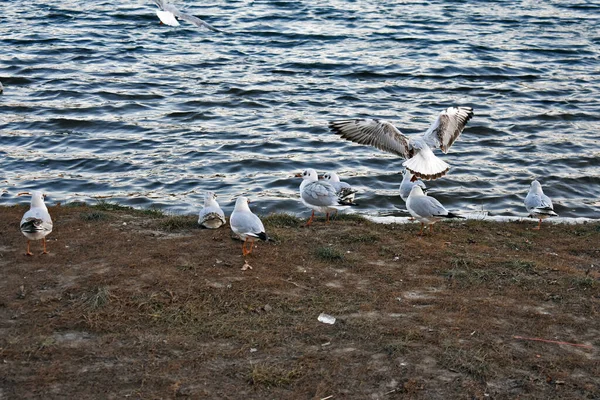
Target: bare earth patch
[137, 304]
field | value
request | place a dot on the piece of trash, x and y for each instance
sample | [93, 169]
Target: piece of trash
[124, 223]
[326, 344]
[326, 319]
[246, 266]
[267, 308]
[253, 350]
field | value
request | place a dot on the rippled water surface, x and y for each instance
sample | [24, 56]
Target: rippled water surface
[100, 100]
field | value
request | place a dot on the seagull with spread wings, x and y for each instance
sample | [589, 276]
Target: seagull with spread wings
[169, 15]
[416, 149]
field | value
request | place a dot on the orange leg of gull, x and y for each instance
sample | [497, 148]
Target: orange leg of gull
[327, 221]
[310, 220]
[539, 226]
[44, 243]
[29, 253]
[422, 227]
[431, 228]
[244, 251]
[251, 242]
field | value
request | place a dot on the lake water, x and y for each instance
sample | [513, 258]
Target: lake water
[101, 101]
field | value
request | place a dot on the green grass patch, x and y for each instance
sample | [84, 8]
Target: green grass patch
[93, 216]
[271, 375]
[281, 220]
[329, 254]
[105, 205]
[178, 222]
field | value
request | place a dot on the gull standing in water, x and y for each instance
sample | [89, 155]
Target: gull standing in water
[418, 149]
[246, 225]
[538, 204]
[344, 191]
[408, 183]
[169, 15]
[427, 210]
[318, 195]
[36, 224]
[211, 216]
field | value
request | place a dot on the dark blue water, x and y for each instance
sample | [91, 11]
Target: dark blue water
[102, 101]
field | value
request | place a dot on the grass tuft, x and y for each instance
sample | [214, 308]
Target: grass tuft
[105, 205]
[350, 217]
[178, 222]
[98, 299]
[271, 375]
[153, 212]
[93, 216]
[281, 220]
[329, 254]
[584, 282]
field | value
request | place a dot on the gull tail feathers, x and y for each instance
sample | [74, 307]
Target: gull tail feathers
[426, 165]
[545, 211]
[452, 215]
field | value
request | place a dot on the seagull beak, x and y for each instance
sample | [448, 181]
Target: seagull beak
[299, 175]
[320, 177]
[24, 193]
[414, 178]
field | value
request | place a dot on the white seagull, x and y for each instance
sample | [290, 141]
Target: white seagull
[426, 209]
[408, 183]
[318, 195]
[211, 216]
[36, 224]
[538, 204]
[246, 225]
[169, 15]
[417, 150]
[344, 191]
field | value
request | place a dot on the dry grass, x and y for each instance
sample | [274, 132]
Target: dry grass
[145, 305]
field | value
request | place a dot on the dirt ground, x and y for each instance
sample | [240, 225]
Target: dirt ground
[137, 304]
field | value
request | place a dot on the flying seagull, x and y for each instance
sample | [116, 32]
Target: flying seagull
[169, 15]
[416, 149]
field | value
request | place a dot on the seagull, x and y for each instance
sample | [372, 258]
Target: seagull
[343, 190]
[168, 15]
[426, 209]
[408, 183]
[538, 204]
[318, 195]
[246, 225]
[36, 224]
[211, 216]
[417, 150]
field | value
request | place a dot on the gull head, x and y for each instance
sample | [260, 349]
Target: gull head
[331, 176]
[536, 187]
[209, 197]
[416, 191]
[310, 175]
[241, 204]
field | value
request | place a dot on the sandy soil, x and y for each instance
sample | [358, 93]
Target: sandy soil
[136, 304]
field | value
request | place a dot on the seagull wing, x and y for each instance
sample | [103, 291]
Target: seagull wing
[373, 132]
[196, 21]
[319, 194]
[447, 127]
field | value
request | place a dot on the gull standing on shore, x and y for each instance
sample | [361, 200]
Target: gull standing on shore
[418, 149]
[318, 195]
[427, 210]
[36, 224]
[169, 15]
[408, 183]
[538, 204]
[343, 190]
[211, 216]
[246, 225]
